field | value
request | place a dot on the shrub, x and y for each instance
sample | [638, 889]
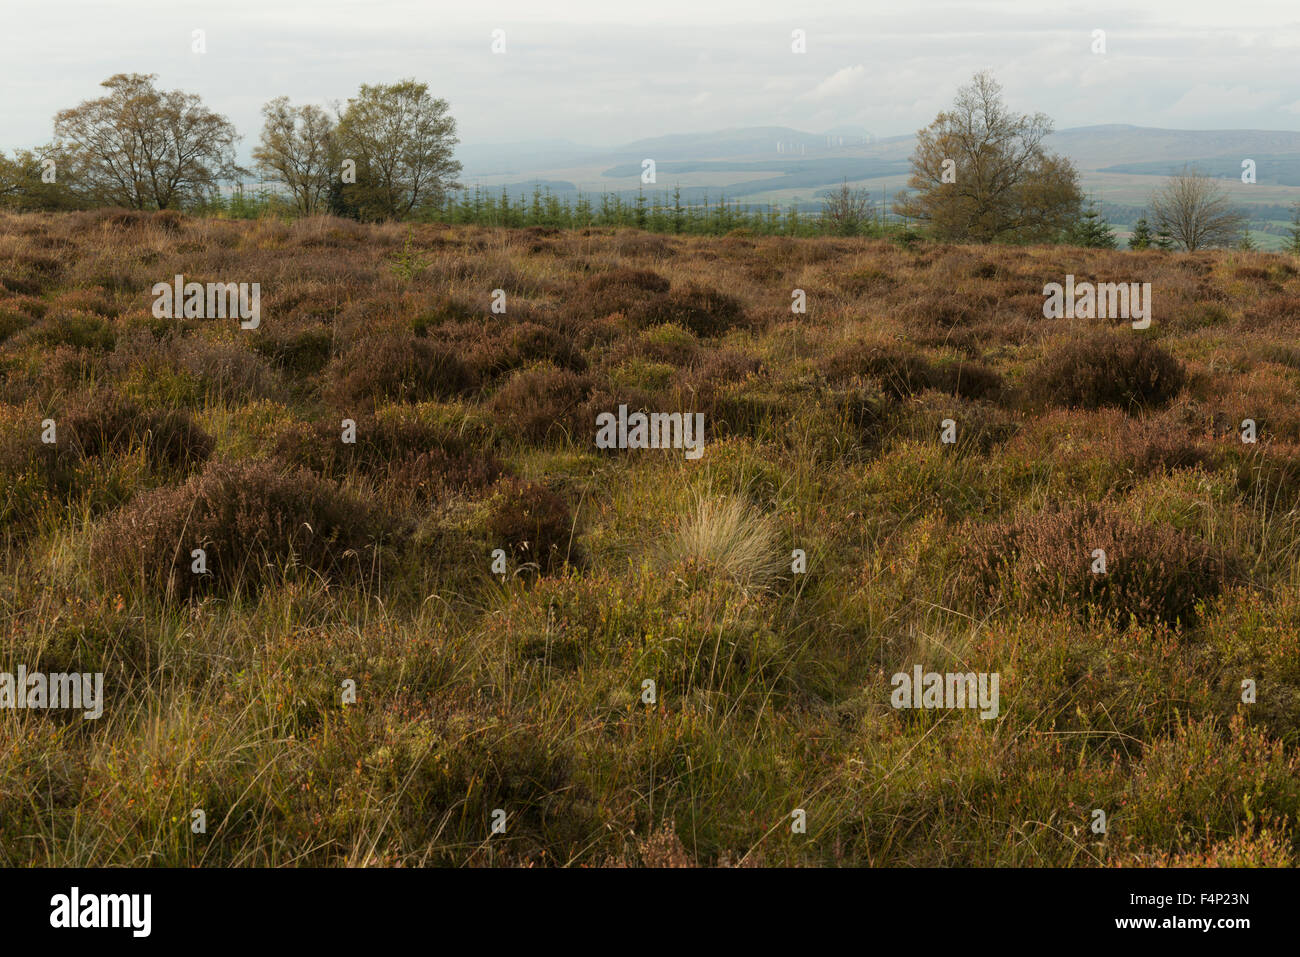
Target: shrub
[253, 520]
[411, 453]
[948, 309]
[1268, 314]
[105, 423]
[168, 220]
[87, 637]
[1100, 452]
[704, 312]
[1043, 562]
[532, 524]
[646, 280]
[445, 311]
[404, 368]
[668, 343]
[980, 426]
[25, 471]
[541, 402]
[495, 351]
[717, 368]
[1105, 369]
[79, 330]
[904, 372]
[304, 352]
[1268, 478]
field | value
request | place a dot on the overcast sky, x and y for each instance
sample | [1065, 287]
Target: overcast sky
[602, 72]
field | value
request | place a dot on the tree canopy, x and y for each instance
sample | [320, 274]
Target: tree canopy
[980, 173]
[401, 141]
[141, 147]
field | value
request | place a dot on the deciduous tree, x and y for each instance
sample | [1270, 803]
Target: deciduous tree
[1195, 211]
[296, 151]
[403, 139]
[144, 148]
[980, 173]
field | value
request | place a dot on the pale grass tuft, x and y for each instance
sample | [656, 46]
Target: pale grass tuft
[728, 537]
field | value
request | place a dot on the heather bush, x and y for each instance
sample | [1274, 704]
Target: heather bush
[542, 402]
[705, 312]
[255, 523]
[1267, 477]
[1121, 369]
[411, 453]
[84, 638]
[903, 371]
[980, 426]
[1043, 563]
[26, 468]
[300, 352]
[396, 367]
[448, 310]
[76, 329]
[494, 351]
[645, 280]
[106, 423]
[198, 369]
[532, 524]
[668, 343]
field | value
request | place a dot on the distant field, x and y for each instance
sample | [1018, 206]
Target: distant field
[473, 615]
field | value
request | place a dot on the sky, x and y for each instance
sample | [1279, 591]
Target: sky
[603, 73]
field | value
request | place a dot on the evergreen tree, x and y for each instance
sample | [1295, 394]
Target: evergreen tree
[792, 220]
[1092, 230]
[1293, 247]
[640, 214]
[1163, 239]
[1142, 237]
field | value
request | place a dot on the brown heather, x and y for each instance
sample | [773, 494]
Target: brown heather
[410, 452]
[1044, 562]
[532, 524]
[404, 368]
[255, 522]
[475, 432]
[106, 423]
[1105, 369]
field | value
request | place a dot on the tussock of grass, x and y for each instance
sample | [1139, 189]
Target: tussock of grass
[727, 538]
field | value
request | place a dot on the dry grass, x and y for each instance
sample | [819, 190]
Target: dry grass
[725, 538]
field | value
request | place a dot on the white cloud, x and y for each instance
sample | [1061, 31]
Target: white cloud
[604, 74]
[839, 83]
[1205, 98]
